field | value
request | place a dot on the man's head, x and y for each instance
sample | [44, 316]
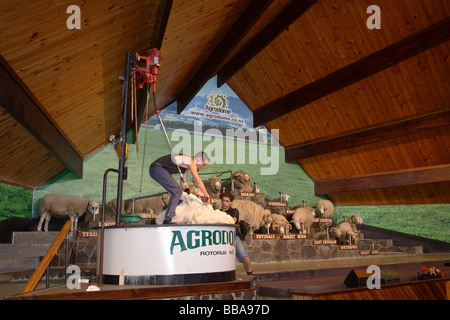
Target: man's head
[201, 159]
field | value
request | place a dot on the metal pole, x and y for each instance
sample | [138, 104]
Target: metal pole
[67, 257]
[122, 160]
[102, 226]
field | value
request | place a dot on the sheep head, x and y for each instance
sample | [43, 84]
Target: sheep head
[93, 208]
[215, 183]
[356, 218]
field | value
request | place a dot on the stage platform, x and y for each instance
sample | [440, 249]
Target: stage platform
[281, 280]
[276, 280]
[243, 288]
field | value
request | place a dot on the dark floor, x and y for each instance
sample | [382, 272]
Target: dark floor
[278, 280]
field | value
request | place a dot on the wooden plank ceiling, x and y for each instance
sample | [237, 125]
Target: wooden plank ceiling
[364, 112]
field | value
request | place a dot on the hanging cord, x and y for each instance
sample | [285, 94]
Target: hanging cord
[145, 140]
[134, 109]
[167, 137]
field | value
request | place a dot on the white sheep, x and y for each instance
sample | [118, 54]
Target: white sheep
[240, 180]
[255, 215]
[153, 204]
[344, 233]
[256, 188]
[280, 223]
[356, 219]
[280, 210]
[61, 205]
[303, 218]
[214, 186]
[191, 210]
[324, 209]
[283, 198]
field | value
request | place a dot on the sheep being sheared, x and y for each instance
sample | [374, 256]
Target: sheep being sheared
[191, 210]
[303, 218]
[280, 223]
[61, 205]
[344, 233]
[255, 215]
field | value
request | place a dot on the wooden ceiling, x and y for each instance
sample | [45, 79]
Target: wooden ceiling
[365, 112]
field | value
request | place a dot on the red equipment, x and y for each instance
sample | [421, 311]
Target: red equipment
[150, 72]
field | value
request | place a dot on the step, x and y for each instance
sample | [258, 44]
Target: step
[24, 237]
[18, 264]
[23, 250]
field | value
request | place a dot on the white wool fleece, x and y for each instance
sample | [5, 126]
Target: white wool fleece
[192, 211]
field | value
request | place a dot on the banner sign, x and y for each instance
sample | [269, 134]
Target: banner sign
[170, 250]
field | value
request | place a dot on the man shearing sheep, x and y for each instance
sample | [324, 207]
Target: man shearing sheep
[162, 170]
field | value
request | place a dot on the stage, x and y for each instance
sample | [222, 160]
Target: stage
[279, 281]
[285, 280]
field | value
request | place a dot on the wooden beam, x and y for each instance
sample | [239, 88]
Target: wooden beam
[208, 69]
[266, 36]
[379, 180]
[368, 135]
[161, 19]
[20, 102]
[357, 71]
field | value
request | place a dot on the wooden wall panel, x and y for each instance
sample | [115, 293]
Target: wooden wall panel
[194, 29]
[24, 161]
[434, 289]
[74, 73]
[411, 88]
[326, 38]
[431, 193]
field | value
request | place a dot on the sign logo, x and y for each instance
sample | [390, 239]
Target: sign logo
[217, 103]
[201, 238]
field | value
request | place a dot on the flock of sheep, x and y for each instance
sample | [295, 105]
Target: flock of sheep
[254, 211]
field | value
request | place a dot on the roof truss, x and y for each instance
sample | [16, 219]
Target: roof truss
[239, 29]
[20, 102]
[357, 71]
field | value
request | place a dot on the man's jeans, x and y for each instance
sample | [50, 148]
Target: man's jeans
[165, 179]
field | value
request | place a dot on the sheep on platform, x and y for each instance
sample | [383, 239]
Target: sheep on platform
[324, 209]
[191, 210]
[214, 186]
[280, 224]
[354, 219]
[239, 181]
[303, 218]
[280, 210]
[256, 188]
[153, 204]
[344, 233]
[255, 215]
[61, 205]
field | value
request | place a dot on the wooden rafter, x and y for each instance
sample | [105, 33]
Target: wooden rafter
[162, 17]
[379, 180]
[357, 71]
[20, 102]
[368, 135]
[267, 35]
[239, 29]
